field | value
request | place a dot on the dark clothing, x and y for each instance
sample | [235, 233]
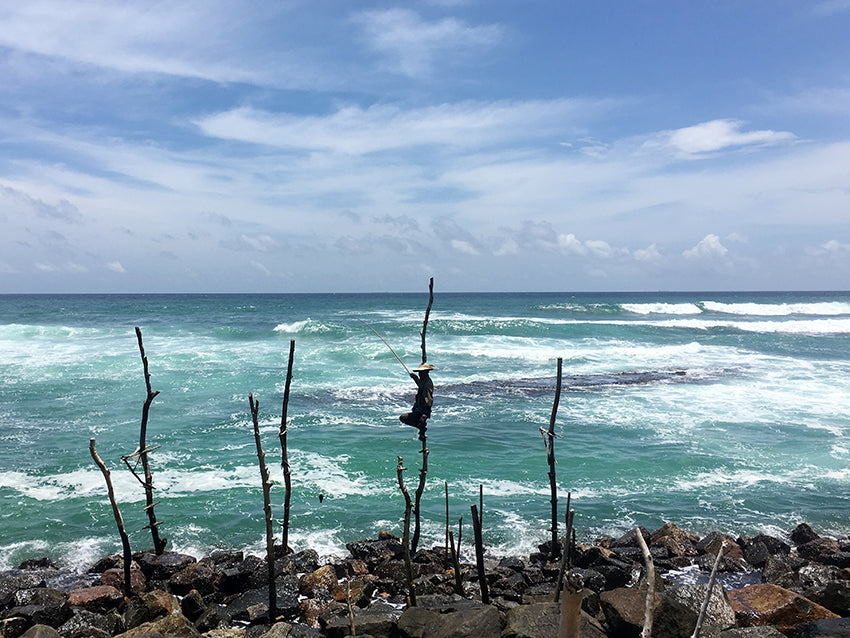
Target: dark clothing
[418, 415]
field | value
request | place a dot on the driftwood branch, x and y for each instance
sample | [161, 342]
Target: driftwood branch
[267, 506]
[649, 609]
[567, 554]
[550, 458]
[142, 453]
[479, 555]
[408, 505]
[711, 580]
[119, 521]
[423, 471]
[284, 461]
[456, 564]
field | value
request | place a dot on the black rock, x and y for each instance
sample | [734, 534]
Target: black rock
[803, 534]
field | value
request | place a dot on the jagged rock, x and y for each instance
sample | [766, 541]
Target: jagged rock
[230, 632]
[164, 566]
[752, 632]
[629, 539]
[825, 551]
[15, 580]
[225, 559]
[305, 561]
[360, 589]
[681, 606]
[758, 548]
[772, 605]
[324, 577]
[541, 620]
[37, 563]
[467, 621]
[114, 576]
[249, 605]
[835, 597]
[97, 599]
[828, 628]
[41, 631]
[782, 570]
[277, 630]
[373, 552]
[803, 534]
[176, 625]
[200, 576]
[624, 610]
[303, 631]
[192, 605]
[215, 617]
[83, 622]
[13, 626]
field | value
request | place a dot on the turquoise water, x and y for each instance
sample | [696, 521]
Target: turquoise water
[752, 437]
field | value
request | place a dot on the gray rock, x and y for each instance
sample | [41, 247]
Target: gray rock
[828, 628]
[803, 534]
[41, 631]
[378, 620]
[471, 621]
[681, 607]
[765, 631]
[541, 620]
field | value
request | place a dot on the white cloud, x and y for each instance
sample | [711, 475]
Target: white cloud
[115, 266]
[507, 247]
[570, 244]
[411, 44]
[717, 135]
[648, 254]
[708, 248]
[463, 246]
[380, 127]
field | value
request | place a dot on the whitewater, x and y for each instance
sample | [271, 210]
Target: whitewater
[714, 410]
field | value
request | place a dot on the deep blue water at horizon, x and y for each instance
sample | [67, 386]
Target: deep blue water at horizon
[710, 410]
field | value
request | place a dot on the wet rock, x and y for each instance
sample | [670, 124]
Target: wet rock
[98, 599]
[803, 534]
[215, 617]
[835, 596]
[83, 622]
[15, 580]
[772, 605]
[192, 605]
[752, 632]
[305, 561]
[373, 552]
[825, 551]
[828, 628]
[758, 548]
[629, 539]
[680, 609]
[38, 563]
[225, 559]
[13, 626]
[114, 576]
[164, 566]
[624, 610]
[324, 577]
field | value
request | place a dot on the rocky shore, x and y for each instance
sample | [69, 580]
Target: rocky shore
[797, 587]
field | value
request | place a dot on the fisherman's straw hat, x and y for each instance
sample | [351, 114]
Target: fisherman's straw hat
[424, 367]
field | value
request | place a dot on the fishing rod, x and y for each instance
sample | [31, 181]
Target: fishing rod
[387, 345]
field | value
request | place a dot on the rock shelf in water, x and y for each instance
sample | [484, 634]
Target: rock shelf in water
[767, 587]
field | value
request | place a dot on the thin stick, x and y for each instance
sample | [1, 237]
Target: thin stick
[387, 345]
[708, 593]
[566, 555]
[479, 555]
[284, 460]
[427, 313]
[267, 506]
[125, 540]
[456, 564]
[408, 505]
[423, 473]
[158, 543]
[550, 457]
[446, 485]
[650, 585]
[350, 609]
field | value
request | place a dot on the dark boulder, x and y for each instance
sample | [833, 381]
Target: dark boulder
[803, 534]
[828, 628]
[164, 566]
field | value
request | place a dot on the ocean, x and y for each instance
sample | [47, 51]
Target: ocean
[724, 411]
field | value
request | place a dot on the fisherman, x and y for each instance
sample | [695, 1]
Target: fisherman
[418, 416]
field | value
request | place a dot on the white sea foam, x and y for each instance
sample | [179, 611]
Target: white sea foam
[830, 308]
[662, 308]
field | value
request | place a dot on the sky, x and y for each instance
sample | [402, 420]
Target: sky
[354, 146]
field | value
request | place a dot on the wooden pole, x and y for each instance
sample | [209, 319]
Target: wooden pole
[408, 566]
[125, 540]
[267, 507]
[427, 314]
[284, 461]
[705, 602]
[479, 555]
[649, 608]
[423, 471]
[456, 564]
[550, 457]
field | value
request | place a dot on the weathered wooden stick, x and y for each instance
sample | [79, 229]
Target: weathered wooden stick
[479, 555]
[408, 505]
[566, 555]
[119, 521]
[423, 474]
[284, 461]
[446, 485]
[649, 609]
[705, 602]
[427, 314]
[550, 457]
[570, 621]
[267, 506]
[456, 564]
[350, 608]
[158, 543]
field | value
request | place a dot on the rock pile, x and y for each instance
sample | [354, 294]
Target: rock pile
[801, 591]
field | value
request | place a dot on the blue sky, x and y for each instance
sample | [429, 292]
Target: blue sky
[312, 146]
